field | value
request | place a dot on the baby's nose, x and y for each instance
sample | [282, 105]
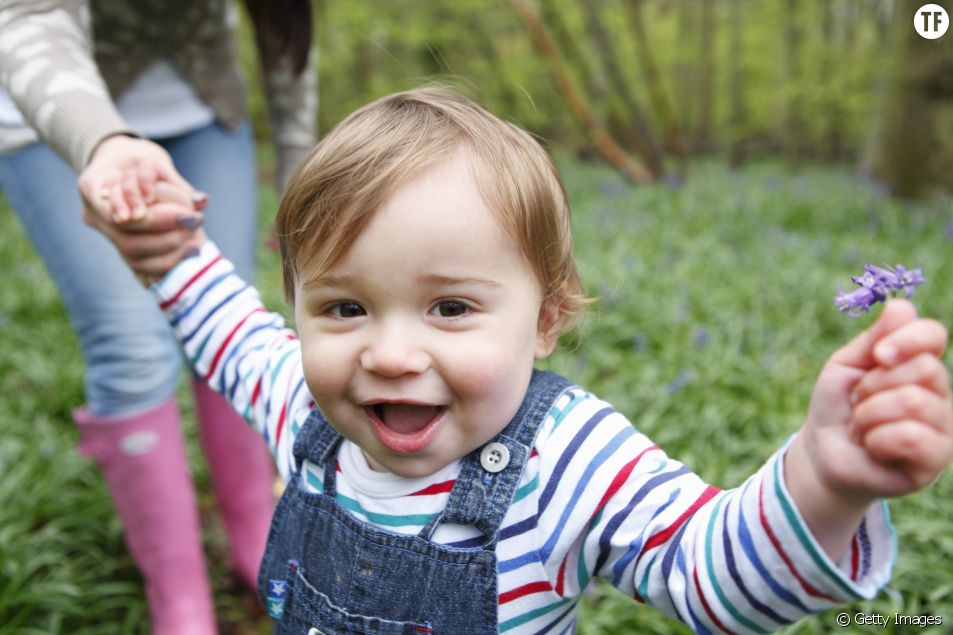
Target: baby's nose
[394, 353]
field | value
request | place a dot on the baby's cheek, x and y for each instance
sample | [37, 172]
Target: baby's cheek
[491, 375]
[323, 370]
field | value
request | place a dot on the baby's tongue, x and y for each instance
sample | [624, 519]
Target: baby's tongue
[406, 418]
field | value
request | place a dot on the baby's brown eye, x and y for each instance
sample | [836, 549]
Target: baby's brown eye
[450, 308]
[347, 310]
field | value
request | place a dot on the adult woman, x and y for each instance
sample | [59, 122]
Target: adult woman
[99, 87]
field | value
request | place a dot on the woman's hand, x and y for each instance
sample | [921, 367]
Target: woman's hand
[120, 180]
[166, 231]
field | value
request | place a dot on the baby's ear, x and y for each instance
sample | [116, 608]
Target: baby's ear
[548, 328]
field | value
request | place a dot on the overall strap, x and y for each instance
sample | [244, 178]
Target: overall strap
[318, 442]
[483, 492]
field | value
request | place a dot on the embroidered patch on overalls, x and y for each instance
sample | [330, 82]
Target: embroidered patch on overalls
[277, 590]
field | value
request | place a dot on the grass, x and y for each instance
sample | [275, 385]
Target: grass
[715, 316]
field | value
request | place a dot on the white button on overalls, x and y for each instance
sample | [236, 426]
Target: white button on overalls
[494, 457]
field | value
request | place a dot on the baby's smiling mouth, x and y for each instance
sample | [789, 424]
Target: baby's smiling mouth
[404, 427]
[405, 418]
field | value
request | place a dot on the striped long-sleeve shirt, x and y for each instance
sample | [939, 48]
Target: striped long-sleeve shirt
[597, 498]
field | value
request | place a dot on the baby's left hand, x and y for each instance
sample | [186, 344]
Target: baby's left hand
[880, 422]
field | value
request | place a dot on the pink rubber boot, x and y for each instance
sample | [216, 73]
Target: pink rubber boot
[142, 458]
[243, 476]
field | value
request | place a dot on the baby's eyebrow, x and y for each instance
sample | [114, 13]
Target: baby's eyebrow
[328, 280]
[447, 281]
[345, 280]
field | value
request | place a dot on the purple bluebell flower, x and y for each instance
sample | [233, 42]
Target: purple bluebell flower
[700, 337]
[639, 343]
[878, 281]
[684, 377]
[909, 280]
[874, 286]
[855, 302]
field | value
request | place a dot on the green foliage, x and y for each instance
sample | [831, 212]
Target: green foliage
[716, 314]
[370, 49]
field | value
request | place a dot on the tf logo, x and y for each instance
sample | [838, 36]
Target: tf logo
[931, 21]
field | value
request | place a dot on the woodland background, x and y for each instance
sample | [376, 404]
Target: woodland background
[730, 164]
[652, 84]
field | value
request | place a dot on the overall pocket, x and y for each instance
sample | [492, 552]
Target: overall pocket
[307, 611]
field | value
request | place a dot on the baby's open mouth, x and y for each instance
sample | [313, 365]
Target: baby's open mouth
[404, 427]
[405, 418]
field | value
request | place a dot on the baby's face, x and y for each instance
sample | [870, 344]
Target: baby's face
[418, 345]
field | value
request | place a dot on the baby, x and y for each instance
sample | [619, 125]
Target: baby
[436, 482]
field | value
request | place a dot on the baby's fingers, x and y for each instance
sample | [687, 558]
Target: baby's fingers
[916, 454]
[909, 402]
[133, 195]
[910, 340]
[163, 217]
[112, 197]
[925, 369]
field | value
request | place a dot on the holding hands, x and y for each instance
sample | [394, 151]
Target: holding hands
[119, 181]
[135, 197]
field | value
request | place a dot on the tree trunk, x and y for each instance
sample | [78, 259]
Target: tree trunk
[643, 137]
[915, 153]
[606, 145]
[706, 82]
[658, 96]
[833, 142]
[578, 58]
[793, 122]
[736, 125]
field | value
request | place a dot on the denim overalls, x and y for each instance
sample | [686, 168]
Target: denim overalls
[326, 572]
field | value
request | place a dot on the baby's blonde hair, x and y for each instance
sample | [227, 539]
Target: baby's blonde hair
[386, 143]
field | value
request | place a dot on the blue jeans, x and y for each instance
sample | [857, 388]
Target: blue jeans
[133, 362]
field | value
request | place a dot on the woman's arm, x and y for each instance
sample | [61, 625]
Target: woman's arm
[47, 66]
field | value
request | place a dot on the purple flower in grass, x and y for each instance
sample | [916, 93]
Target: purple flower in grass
[875, 285]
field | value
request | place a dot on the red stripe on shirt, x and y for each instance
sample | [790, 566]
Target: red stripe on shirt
[561, 576]
[178, 294]
[711, 614]
[257, 391]
[221, 349]
[662, 537]
[620, 479]
[281, 423]
[810, 590]
[526, 589]
[614, 486]
[436, 488]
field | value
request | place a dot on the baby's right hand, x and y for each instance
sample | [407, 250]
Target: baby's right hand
[169, 231]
